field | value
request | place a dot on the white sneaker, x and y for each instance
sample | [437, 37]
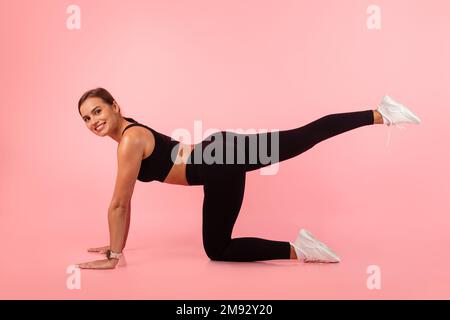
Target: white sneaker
[394, 113]
[312, 249]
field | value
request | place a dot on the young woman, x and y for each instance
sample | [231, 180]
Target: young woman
[146, 155]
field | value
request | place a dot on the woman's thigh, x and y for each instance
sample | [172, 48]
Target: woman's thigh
[222, 202]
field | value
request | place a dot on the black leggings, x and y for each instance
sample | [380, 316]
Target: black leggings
[224, 183]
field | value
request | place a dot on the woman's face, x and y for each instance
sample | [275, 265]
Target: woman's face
[98, 116]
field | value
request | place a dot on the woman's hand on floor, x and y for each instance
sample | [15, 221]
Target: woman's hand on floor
[99, 264]
[101, 250]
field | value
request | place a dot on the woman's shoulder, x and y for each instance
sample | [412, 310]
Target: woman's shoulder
[137, 131]
[138, 136]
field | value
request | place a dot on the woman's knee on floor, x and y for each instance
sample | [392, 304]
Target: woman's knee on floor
[213, 251]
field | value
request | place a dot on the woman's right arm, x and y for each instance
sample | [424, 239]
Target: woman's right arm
[102, 250]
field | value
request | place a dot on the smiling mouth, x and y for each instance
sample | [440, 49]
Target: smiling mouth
[99, 127]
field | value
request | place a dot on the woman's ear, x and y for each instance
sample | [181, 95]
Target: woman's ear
[116, 106]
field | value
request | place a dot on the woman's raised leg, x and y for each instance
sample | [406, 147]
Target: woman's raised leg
[286, 144]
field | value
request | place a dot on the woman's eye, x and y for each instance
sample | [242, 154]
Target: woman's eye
[97, 111]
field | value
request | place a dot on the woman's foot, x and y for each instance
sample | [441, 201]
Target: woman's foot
[309, 249]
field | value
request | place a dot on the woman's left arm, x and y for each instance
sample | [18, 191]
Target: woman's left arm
[129, 155]
[128, 225]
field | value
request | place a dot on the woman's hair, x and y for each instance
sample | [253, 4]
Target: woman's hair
[98, 93]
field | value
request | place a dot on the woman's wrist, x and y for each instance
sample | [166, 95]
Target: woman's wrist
[113, 255]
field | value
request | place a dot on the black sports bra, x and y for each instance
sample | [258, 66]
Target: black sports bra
[158, 164]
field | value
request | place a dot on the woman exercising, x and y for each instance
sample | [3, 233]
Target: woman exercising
[219, 163]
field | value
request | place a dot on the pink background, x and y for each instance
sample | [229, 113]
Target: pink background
[231, 64]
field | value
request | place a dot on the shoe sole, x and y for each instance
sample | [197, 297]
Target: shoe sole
[306, 234]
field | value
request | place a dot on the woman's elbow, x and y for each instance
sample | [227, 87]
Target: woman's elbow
[118, 209]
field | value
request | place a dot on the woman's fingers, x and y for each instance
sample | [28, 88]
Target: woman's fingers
[97, 264]
[84, 265]
[99, 249]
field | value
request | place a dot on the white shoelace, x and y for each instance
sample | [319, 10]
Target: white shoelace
[389, 132]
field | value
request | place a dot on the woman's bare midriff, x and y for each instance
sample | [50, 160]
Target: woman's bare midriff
[177, 174]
